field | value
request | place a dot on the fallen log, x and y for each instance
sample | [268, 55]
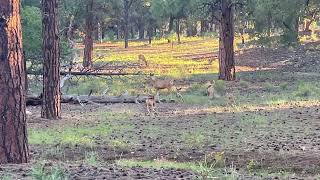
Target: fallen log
[35, 101]
[84, 73]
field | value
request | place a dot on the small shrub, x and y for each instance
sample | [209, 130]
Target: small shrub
[251, 166]
[244, 84]
[111, 36]
[216, 158]
[269, 87]
[6, 177]
[306, 90]
[92, 158]
[284, 86]
[197, 89]
[220, 87]
[193, 139]
[41, 172]
[211, 34]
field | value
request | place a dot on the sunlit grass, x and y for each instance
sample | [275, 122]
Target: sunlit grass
[190, 57]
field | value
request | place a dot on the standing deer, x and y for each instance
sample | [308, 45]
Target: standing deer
[151, 104]
[210, 90]
[160, 84]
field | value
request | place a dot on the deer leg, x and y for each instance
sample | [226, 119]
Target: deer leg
[148, 109]
[158, 97]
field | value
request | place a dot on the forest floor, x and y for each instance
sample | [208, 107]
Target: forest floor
[271, 132]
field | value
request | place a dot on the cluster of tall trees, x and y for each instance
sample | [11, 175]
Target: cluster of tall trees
[271, 21]
[13, 133]
[95, 20]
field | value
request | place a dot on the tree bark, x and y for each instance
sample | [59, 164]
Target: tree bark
[141, 30]
[132, 32]
[51, 108]
[178, 30]
[126, 23]
[226, 49]
[171, 21]
[308, 25]
[13, 132]
[99, 29]
[150, 31]
[70, 33]
[88, 41]
[204, 27]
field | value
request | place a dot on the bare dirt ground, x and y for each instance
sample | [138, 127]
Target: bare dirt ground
[281, 137]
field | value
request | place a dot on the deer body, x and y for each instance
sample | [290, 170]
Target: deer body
[210, 91]
[151, 104]
[142, 60]
[159, 84]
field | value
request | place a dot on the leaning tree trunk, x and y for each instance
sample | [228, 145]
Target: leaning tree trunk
[88, 40]
[13, 132]
[226, 50]
[51, 107]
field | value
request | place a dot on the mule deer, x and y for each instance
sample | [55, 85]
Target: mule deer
[160, 84]
[142, 61]
[210, 89]
[151, 104]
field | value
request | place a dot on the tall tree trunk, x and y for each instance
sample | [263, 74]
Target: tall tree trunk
[150, 31]
[171, 21]
[51, 106]
[132, 32]
[178, 30]
[226, 49]
[70, 33]
[308, 25]
[126, 23]
[204, 27]
[296, 29]
[189, 28]
[88, 41]
[103, 31]
[13, 132]
[242, 36]
[141, 31]
[269, 18]
[118, 31]
[26, 73]
[99, 32]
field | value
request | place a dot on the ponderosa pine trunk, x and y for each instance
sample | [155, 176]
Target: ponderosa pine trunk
[126, 23]
[51, 106]
[150, 31]
[88, 40]
[13, 132]
[171, 21]
[178, 30]
[308, 25]
[226, 49]
[141, 28]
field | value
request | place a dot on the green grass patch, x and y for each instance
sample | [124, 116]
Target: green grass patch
[87, 135]
[203, 170]
[42, 172]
